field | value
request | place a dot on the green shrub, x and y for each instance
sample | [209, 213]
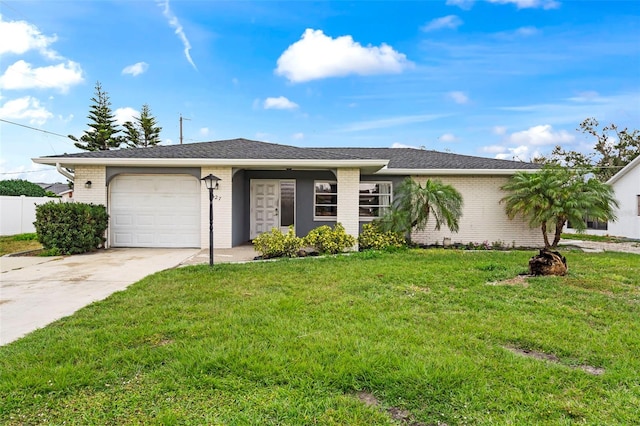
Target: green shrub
[18, 187]
[328, 240]
[372, 237]
[71, 228]
[276, 244]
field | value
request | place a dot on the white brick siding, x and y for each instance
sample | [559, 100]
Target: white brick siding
[222, 204]
[97, 194]
[348, 200]
[483, 217]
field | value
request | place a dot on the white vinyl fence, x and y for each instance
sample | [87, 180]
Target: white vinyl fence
[17, 214]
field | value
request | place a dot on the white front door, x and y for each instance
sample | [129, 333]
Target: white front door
[272, 205]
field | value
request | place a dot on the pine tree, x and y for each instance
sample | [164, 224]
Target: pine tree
[104, 130]
[143, 131]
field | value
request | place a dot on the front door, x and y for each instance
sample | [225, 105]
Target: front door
[272, 205]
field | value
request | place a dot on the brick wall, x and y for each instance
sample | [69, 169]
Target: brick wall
[97, 194]
[222, 209]
[484, 217]
[348, 200]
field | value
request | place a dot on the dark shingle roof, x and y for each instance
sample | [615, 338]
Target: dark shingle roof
[410, 158]
[244, 149]
[229, 149]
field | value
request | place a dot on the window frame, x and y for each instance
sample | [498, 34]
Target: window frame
[331, 218]
[380, 207]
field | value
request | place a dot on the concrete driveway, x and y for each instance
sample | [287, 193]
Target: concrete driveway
[36, 291]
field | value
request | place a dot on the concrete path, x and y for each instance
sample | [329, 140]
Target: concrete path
[596, 246]
[36, 291]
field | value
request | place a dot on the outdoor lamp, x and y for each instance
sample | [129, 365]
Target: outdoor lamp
[211, 183]
[87, 184]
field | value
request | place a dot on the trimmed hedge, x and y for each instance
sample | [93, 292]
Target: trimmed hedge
[18, 187]
[276, 244]
[71, 228]
[372, 237]
[328, 240]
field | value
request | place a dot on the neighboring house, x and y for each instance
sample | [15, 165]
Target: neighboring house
[60, 189]
[626, 185]
[155, 198]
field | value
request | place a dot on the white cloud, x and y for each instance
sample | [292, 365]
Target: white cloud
[297, 136]
[125, 114]
[279, 103]
[526, 144]
[499, 130]
[587, 96]
[136, 69]
[204, 131]
[20, 75]
[402, 145]
[541, 135]
[19, 37]
[493, 149]
[462, 4]
[391, 122]
[527, 31]
[458, 97]
[520, 4]
[530, 4]
[519, 153]
[317, 56]
[26, 107]
[448, 137]
[175, 23]
[446, 22]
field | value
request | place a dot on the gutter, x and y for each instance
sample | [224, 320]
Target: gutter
[64, 173]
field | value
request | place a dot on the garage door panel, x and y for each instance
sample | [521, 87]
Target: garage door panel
[155, 211]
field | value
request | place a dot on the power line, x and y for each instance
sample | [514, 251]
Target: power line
[34, 128]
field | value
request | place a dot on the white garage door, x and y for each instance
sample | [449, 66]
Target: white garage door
[155, 211]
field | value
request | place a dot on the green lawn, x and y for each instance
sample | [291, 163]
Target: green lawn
[18, 243]
[424, 333]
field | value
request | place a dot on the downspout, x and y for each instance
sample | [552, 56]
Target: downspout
[64, 173]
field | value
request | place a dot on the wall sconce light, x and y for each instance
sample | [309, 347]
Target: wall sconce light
[87, 184]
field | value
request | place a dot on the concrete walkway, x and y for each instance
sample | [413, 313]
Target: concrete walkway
[36, 291]
[598, 247]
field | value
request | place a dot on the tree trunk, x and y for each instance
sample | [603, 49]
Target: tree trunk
[548, 262]
[543, 227]
[559, 226]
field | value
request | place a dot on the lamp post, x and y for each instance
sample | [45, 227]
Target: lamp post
[211, 182]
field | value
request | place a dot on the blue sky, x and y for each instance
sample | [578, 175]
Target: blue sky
[497, 78]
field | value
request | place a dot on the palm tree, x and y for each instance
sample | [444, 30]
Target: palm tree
[414, 204]
[556, 195]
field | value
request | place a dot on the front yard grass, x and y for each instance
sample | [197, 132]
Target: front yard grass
[427, 336]
[18, 243]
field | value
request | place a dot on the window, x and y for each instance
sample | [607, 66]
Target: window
[375, 199]
[325, 196]
[592, 223]
[638, 205]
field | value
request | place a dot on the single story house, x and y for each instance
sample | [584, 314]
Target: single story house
[626, 186]
[60, 189]
[155, 197]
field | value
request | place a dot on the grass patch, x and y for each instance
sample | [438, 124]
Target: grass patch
[420, 333]
[596, 238]
[17, 243]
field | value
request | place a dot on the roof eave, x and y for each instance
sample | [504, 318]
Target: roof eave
[624, 171]
[452, 172]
